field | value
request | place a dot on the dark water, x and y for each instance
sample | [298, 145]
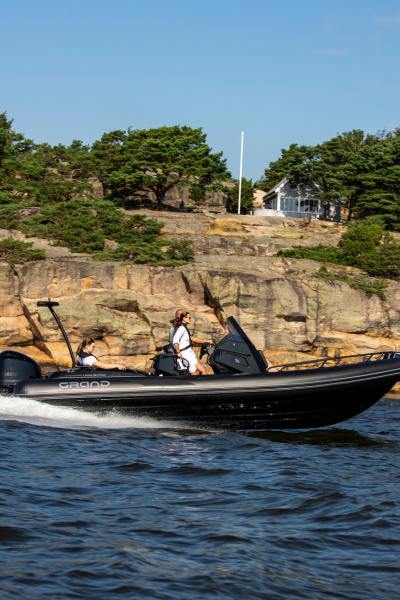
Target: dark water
[115, 507]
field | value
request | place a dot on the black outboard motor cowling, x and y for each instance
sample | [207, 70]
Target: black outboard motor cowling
[16, 367]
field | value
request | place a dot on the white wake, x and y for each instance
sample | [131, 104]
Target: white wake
[33, 412]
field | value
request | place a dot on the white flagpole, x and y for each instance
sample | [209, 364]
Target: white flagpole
[241, 172]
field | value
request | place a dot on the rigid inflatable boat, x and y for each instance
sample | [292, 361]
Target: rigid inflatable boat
[243, 394]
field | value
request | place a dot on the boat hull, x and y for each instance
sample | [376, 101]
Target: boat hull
[292, 400]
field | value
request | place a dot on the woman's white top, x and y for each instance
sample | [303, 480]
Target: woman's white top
[181, 337]
[86, 361]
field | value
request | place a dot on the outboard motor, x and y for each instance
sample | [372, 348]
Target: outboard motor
[16, 367]
[236, 353]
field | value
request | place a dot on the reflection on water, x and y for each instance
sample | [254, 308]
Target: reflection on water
[328, 436]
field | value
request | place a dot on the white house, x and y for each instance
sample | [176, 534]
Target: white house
[283, 200]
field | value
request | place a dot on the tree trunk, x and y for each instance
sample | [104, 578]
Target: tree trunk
[160, 194]
[350, 209]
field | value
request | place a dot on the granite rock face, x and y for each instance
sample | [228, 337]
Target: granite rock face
[286, 309]
[128, 308]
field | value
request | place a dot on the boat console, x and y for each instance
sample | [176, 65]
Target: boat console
[234, 354]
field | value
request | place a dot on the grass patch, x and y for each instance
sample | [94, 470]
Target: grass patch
[368, 285]
[329, 254]
[365, 245]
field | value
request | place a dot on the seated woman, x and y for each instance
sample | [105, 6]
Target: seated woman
[86, 358]
[183, 342]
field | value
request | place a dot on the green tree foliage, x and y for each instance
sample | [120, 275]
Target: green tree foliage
[371, 286]
[46, 191]
[322, 253]
[246, 202]
[359, 170]
[380, 189]
[85, 225]
[156, 252]
[360, 242]
[294, 164]
[17, 252]
[365, 245]
[14, 152]
[368, 246]
[38, 174]
[155, 160]
[12, 144]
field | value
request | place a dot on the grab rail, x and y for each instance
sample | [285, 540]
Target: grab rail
[368, 357]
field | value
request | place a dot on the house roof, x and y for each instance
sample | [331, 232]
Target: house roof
[277, 187]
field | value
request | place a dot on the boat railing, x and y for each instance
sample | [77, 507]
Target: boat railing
[335, 361]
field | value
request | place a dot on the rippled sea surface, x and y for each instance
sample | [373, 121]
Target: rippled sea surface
[117, 507]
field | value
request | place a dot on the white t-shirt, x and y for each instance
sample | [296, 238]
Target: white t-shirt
[181, 337]
[86, 361]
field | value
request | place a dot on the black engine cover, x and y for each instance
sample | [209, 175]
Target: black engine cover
[16, 367]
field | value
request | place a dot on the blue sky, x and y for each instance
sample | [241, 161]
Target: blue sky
[284, 71]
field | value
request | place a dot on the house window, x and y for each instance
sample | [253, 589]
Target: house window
[271, 203]
[311, 205]
[290, 204]
[295, 204]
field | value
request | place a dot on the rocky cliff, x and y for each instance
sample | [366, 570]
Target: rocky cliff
[287, 310]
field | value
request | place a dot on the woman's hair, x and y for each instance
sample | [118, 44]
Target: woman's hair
[180, 314]
[84, 342]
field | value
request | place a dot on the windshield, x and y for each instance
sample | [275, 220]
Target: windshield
[234, 328]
